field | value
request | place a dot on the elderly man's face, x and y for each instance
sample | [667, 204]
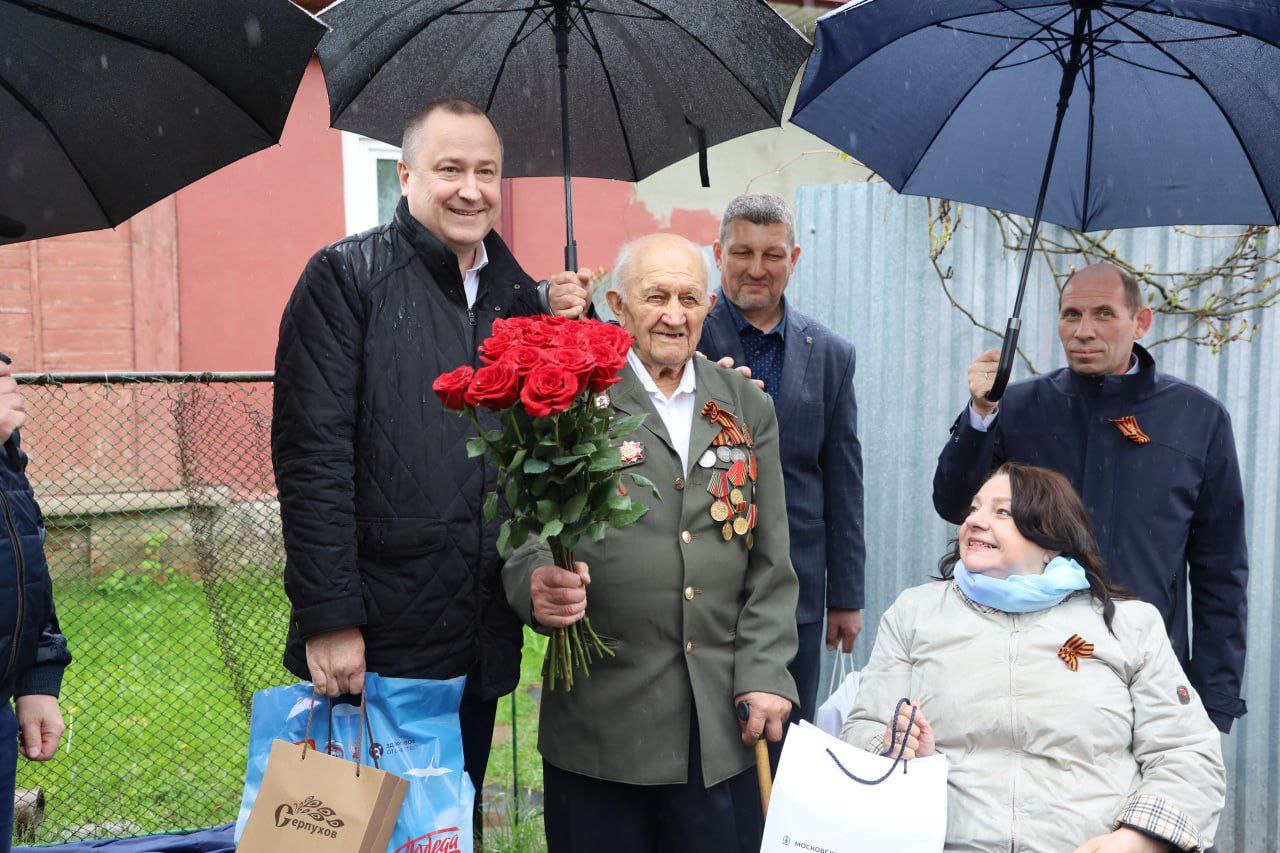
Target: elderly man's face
[666, 302]
[1096, 327]
[454, 188]
[755, 263]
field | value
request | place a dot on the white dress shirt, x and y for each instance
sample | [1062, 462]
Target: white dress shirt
[982, 424]
[471, 281]
[676, 411]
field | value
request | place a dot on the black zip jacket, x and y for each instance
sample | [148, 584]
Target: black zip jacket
[33, 652]
[380, 504]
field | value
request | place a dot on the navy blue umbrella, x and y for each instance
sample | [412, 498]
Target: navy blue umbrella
[1090, 114]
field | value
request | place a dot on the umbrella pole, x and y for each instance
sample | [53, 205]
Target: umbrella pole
[560, 27]
[1009, 350]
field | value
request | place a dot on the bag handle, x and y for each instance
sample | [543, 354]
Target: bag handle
[363, 724]
[893, 727]
[841, 670]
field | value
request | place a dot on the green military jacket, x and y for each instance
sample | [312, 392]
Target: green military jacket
[695, 620]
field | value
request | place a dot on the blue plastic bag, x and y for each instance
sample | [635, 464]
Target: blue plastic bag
[415, 735]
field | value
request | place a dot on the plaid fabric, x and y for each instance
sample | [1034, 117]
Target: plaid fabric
[876, 745]
[1156, 816]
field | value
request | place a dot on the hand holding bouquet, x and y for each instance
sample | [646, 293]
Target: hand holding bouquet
[556, 453]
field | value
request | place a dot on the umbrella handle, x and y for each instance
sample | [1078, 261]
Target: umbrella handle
[1008, 352]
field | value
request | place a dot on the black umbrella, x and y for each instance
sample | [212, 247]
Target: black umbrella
[1093, 114]
[630, 85]
[108, 107]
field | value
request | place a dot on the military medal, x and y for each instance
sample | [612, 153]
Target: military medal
[719, 511]
[602, 401]
[740, 526]
[751, 467]
[738, 473]
[738, 454]
[718, 485]
[735, 497]
[724, 454]
[752, 517]
[707, 459]
[751, 541]
[727, 531]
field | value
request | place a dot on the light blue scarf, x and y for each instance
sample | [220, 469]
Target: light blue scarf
[1024, 593]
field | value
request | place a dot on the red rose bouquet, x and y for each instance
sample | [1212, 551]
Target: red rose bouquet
[557, 452]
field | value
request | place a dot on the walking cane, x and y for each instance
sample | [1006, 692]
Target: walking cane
[764, 773]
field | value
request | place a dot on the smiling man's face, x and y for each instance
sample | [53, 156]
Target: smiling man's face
[454, 188]
[666, 302]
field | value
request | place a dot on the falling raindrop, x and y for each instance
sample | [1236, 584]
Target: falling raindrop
[253, 30]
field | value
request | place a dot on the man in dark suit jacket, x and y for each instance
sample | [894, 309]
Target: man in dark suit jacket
[808, 370]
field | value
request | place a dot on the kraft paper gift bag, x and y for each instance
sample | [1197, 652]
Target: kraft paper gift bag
[818, 804]
[311, 802]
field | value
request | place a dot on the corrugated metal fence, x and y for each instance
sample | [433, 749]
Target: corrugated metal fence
[865, 271]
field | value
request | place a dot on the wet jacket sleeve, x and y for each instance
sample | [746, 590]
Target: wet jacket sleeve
[1218, 567]
[842, 490]
[968, 457]
[766, 639]
[313, 450]
[44, 677]
[1179, 751]
[885, 679]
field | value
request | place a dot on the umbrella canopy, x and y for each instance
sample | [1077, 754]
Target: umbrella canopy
[1174, 117]
[106, 108]
[644, 75]
[635, 84]
[1091, 114]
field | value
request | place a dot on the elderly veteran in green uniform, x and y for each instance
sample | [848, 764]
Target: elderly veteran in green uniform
[698, 597]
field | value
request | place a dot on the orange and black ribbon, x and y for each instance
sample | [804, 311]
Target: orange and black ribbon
[730, 435]
[1128, 426]
[1074, 649]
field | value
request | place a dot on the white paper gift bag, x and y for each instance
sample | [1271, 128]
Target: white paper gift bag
[841, 691]
[817, 806]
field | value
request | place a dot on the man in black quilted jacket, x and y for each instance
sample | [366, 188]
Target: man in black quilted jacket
[390, 568]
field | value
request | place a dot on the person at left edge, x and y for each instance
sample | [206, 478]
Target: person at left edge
[808, 371]
[389, 566]
[33, 651]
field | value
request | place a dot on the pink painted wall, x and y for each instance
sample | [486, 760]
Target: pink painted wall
[245, 232]
[606, 215]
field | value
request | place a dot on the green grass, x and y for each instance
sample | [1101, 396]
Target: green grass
[156, 728]
[156, 736]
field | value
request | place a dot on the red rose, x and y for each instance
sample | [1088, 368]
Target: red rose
[452, 387]
[495, 386]
[538, 333]
[614, 336]
[549, 390]
[524, 357]
[570, 336]
[608, 364]
[575, 360]
[505, 335]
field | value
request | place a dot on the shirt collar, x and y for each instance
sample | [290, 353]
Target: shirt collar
[481, 259]
[742, 324]
[688, 381]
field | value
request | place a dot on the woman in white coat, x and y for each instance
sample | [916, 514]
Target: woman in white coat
[1065, 718]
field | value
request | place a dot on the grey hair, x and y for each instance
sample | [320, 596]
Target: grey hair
[759, 209]
[620, 278]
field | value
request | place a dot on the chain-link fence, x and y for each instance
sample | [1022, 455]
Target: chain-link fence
[164, 544]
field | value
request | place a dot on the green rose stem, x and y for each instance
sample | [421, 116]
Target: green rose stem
[573, 647]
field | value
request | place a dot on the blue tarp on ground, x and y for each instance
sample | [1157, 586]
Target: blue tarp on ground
[216, 840]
